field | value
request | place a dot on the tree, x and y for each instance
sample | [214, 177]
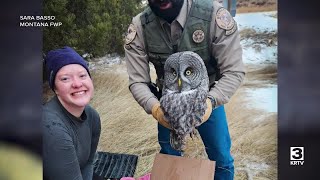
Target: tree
[90, 26]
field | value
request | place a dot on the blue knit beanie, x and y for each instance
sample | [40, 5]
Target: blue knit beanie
[58, 58]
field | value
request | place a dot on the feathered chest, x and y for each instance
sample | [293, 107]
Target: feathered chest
[184, 110]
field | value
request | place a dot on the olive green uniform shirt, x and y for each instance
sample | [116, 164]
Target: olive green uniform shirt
[226, 50]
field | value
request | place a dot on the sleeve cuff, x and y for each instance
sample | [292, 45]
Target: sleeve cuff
[150, 103]
[213, 101]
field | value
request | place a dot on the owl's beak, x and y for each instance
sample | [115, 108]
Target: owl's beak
[179, 84]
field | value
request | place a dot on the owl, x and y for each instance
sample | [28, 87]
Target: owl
[185, 90]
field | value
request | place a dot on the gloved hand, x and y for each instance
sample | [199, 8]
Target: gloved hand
[208, 111]
[158, 114]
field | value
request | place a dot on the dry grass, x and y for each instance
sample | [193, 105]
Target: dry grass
[260, 76]
[246, 9]
[245, 6]
[126, 128]
[251, 33]
[254, 138]
[269, 38]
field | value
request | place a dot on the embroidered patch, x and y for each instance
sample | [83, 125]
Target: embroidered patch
[198, 36]
[131, 34]
[224, 19]
[229, 32]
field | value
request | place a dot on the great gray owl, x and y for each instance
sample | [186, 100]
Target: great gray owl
[185, 90]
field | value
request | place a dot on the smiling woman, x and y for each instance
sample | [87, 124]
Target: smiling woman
[71, 128]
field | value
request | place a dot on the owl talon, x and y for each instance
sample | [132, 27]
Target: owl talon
[191, 135]
[194, 134]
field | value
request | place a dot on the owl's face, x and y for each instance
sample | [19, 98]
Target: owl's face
[185, 71]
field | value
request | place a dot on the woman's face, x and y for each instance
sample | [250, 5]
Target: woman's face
[73, 86]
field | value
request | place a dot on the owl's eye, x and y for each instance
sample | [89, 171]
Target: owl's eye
[173, 72]
[188, 72]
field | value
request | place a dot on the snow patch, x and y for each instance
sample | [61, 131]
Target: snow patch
[258, 53]
[263, 98]
[258, 166]
[106, 61]
[259, 21]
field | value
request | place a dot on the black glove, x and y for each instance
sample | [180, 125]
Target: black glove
[155, 90]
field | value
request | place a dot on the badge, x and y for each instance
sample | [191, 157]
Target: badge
[229, 32]
[224, 19]
[131, 34]
[198, 36]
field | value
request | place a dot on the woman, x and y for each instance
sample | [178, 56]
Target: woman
[71, 127]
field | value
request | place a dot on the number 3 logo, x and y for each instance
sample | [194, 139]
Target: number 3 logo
[296, 153]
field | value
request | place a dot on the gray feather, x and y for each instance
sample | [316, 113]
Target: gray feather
[184, 107]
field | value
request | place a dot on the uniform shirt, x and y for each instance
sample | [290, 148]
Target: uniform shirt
[69, 143]
[225, 48]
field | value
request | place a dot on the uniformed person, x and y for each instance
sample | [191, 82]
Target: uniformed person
[201, 26]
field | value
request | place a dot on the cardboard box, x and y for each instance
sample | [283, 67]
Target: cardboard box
[168, 167]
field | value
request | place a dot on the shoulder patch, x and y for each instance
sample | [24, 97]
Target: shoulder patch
[229, 32]
[131, 34]
[224, 19]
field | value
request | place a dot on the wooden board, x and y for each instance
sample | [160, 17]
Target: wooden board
[168, 167]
